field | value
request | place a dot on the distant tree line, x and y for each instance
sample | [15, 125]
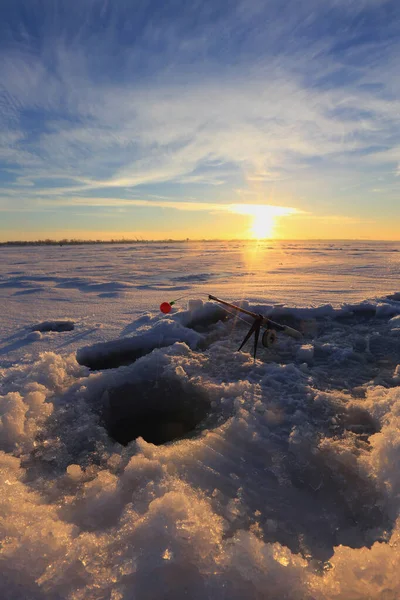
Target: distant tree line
[75, 242]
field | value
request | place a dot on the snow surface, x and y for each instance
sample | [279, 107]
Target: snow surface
[283, 478]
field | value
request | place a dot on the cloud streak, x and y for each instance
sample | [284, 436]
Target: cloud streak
[239, 209]
[277, 101]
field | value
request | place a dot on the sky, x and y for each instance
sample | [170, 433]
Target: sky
[204, 119]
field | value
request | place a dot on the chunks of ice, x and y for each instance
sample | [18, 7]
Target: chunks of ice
[74, 472]
[299, 467]
[395, 322]
[305, 353]
[387, 310]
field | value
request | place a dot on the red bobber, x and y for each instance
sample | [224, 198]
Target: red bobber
[165, 307]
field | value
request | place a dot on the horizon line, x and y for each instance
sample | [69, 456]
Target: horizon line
[114, 241]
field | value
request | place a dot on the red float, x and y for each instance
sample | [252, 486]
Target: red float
[165, 307]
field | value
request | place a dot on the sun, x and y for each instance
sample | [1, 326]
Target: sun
[263, 225]
[265, 218]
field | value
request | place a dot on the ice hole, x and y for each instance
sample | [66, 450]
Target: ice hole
[158, 411]
[58, 326]
[108, 356]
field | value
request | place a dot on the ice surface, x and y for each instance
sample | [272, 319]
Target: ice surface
[281, 479]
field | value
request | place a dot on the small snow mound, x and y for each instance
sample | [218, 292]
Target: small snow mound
[34, 336]
[54, 326]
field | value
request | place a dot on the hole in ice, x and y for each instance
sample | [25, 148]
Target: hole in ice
[109, 355]
[54, 326]
[159, 412]
[125, 351]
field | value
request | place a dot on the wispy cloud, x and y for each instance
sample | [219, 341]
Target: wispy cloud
[192, 206]
[265, 130]
[107, 102]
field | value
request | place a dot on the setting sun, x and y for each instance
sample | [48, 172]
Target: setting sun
[263, 225]
[265, 218]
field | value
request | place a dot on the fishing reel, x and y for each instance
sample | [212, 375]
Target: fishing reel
[269, 338]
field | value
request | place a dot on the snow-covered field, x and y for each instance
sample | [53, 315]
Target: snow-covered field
[277, 478]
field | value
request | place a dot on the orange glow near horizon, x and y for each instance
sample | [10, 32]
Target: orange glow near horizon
[265, 218]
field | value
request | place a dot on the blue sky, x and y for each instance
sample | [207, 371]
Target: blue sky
[155, 119]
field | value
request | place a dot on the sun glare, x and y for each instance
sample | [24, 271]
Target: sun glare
[263, 225]
[265, 218]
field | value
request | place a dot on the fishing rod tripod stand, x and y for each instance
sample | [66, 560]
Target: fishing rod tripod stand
[271, 327]
[268, 337]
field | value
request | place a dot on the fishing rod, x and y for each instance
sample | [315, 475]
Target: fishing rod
[271, 327]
